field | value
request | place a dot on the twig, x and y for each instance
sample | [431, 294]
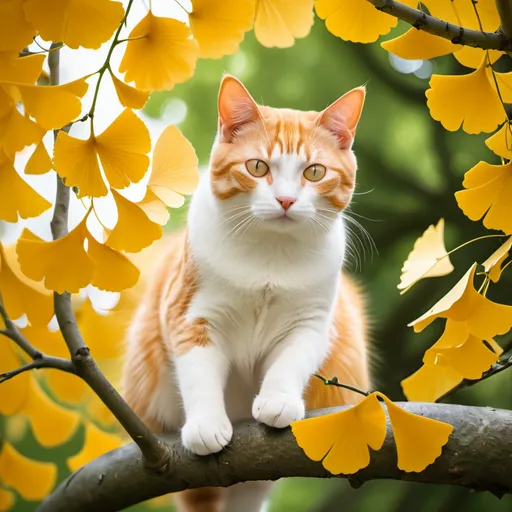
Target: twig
[155, 453]
[437, 27]
[505, 11]
[43, 361]
[335, 382]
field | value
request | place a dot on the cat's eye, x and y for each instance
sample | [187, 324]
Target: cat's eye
[258, 168]
[315, 172]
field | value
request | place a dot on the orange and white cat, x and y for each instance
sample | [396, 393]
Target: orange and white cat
[247, 304]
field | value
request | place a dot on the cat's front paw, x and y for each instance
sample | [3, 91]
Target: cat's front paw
[278, 409]
[208, 434]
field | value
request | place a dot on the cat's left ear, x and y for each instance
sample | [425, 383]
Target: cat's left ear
[342, 116]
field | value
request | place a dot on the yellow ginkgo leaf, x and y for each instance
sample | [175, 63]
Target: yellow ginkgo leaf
[461, 12]
[419, 440]
[97, 442]
[39, 162]
[133, 230]
[17, 197]
[155, 209]
[418, 44]
[492, 265]
[470, 101]
[52, 424]
[48, 342]
[128, 96]
[99, 413]
[356, 20]
[341, 440]
[122, 149]
[16, 32]
[87, 23]
[20, 294]
[14, 391]
[280, 22]
[484, 318]
[17, 131]
[501, 142]
[472, 57]
[160, 55]
[112, 270]
[220, 26]
[24, 70]
[63, 264]
[7, 500]
[427, 259]
[65, 386]
[32, 479]
[488, 188]
[430, 382]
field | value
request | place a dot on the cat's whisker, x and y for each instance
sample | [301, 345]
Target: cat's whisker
[235, 216]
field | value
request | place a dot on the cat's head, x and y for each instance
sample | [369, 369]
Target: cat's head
[283, 169]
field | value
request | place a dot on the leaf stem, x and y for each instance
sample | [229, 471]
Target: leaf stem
[335, 382]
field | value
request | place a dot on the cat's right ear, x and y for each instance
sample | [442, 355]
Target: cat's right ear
[236, 107]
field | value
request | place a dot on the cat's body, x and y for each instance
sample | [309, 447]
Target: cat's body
[246, 305]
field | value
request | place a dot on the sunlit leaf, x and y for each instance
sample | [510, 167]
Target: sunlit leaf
[220, 26]
[14, 391]
[63, 264]
[39, 162]
[419, 440]
[280, 22]
[488, 191]
[25, 70]
[87, 23]
[15, 31]
[17, 131]
[501, 142]
[472, 57]
[133, 230]
[128, 96]
[66, 387]
[160, 55]
[7, 500]
[96, 443]
[32, 479]
[341, 440]
[461, 12]
[492, 264]
[427, 259]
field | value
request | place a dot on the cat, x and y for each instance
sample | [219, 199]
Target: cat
[248, 302]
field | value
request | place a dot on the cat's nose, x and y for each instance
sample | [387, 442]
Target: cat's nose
[286, 201]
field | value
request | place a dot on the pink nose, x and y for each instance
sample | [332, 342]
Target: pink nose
[286, 201]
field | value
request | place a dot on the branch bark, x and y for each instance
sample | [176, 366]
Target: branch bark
[437, 27]
[43, 361]
[477, 456]
[505, 11]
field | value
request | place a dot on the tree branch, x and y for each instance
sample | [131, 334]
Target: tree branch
[437, 27]
[505, 11]
[474, 457]
[43, 361]
[155, 453]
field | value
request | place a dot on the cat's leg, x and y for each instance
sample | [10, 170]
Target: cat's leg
[247, 496]
[202, 373]
[286, 373]
[205, 499]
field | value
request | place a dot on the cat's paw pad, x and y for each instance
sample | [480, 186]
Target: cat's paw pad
[277, 410]
[208, 434]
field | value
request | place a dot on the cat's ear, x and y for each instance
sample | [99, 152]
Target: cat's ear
[342, 116]
[236, 107]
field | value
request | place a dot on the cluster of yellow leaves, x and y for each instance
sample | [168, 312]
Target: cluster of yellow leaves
[342, 440]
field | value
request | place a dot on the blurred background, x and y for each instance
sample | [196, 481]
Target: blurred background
[409, 169]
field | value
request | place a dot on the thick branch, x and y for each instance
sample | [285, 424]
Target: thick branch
[437, 27]
[154, 452]
[43, 361]
[476, 456]
[505, 12]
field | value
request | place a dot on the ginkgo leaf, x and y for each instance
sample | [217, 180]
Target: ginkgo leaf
[52, 424]
[122, 149]
[461, 12]
[160, 55]
[488, 189]
[17, 131]
[470, 101]
[87, 23]
[16, 196]
[472, 57]
[501, 142]
[155, 209]
[32, 479]
[341, 440]
[39, 162]
[492, 265]
[63, 264]
[7, 500]
[112, 270]
[24, 70]
[20, 294]
[128, 96]
[419, 440]
[484, 318]
[46, 341]
[418, 44]
[427, 259]
[133, 230]
[14, 391]
[356, 20]
[54, 106]
[16, 32]
[66, 387]
[280, 22]
[97, 442]
[220, 26]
